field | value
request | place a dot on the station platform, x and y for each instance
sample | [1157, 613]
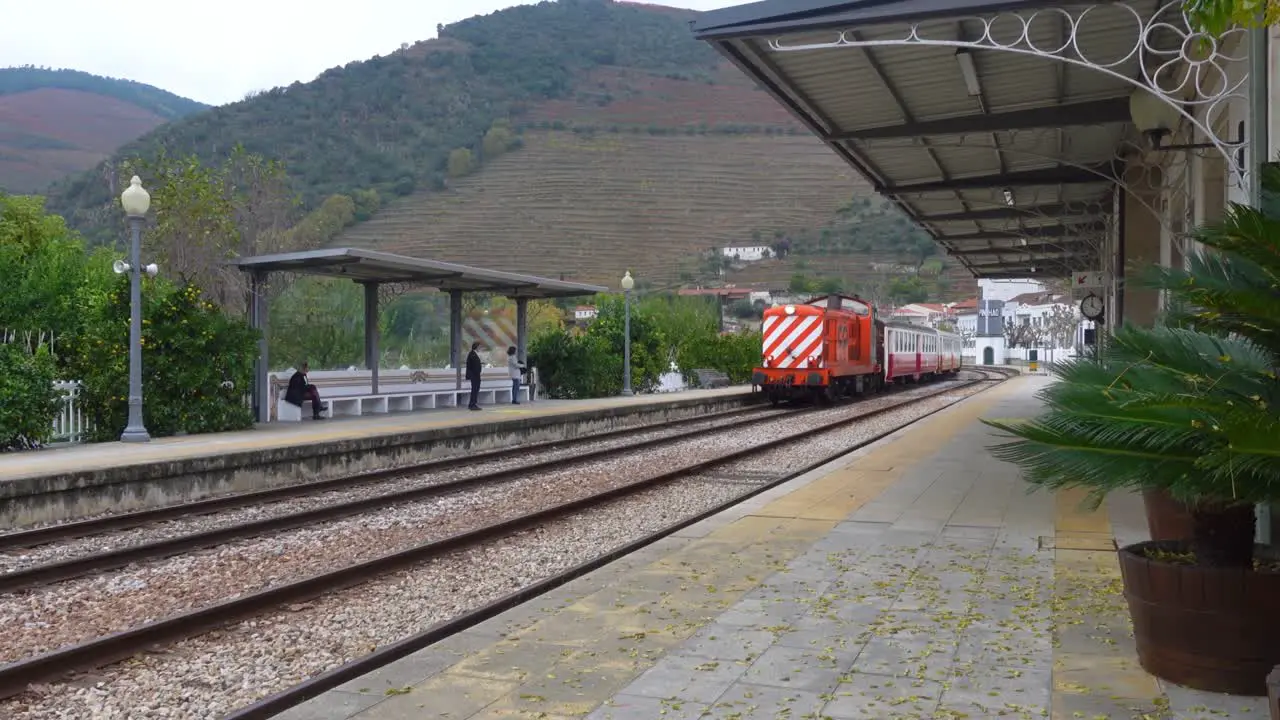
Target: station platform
[916, 578]
[127, 476]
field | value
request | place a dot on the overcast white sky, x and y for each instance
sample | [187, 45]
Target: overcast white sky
[215, 52]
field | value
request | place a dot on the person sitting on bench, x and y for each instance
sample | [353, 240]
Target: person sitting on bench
[301, 391]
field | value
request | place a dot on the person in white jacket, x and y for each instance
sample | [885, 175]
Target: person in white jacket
[515, 369]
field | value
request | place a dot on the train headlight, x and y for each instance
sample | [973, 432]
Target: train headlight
[790, 309]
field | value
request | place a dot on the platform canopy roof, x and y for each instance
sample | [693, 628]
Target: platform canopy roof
[1011, 167]
[369, 266]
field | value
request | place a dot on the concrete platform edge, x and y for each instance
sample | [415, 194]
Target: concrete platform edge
[162, 475]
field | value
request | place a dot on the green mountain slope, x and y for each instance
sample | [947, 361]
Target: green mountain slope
[580, 137]
[390, 123]
[57, 122]
[165, 104]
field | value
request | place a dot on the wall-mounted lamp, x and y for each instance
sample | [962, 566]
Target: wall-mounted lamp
[1156, 119]
[1008, 197]
[969, 72]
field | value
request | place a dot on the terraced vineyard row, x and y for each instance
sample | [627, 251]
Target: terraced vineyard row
[592, 206]
[856, 269]
[637, 99]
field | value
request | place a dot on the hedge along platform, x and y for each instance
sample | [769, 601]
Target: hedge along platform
[75, 482]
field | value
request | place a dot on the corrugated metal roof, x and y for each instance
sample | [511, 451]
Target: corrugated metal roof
[369, 266]
[850, 90]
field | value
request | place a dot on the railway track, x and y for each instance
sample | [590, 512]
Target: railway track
[103, 650]
[111, 559]
[35, 537]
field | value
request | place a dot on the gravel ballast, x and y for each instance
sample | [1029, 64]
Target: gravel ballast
[210, 675]
[22, 558]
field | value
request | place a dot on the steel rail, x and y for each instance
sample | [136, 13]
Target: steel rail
[277, 703]
[112, 559]
[94, 526]
[49, 666]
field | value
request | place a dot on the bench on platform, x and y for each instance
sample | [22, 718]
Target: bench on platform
[399, 398]
[347, 393]
[711, 378]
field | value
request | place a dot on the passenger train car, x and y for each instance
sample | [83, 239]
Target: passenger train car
[833, 346]
[919, 353]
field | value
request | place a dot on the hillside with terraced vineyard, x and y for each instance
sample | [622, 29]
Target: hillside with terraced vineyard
[591, 205]
[576, 138]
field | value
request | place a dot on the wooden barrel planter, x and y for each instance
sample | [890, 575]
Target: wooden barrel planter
[1167, 519]
[1212, 629]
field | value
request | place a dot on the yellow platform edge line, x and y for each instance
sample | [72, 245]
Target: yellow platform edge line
[1095, 673]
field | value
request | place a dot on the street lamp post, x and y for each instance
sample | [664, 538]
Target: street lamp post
[136, 202]
[627, 284]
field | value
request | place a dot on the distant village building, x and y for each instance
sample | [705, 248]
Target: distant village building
[747, 253]
[1051, 322]
[584, 313]
[1001, 327]
[924, 314]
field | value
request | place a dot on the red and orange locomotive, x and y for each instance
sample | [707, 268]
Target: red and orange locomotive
[833, 346]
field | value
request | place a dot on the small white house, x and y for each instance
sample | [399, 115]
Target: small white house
[747, 253]
[585, 312]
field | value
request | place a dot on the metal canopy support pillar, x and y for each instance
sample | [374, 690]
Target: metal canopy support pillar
[372, 357]
[1258, 129]
[258, 320]
[455, 335]
[522, 338]
[522, 329]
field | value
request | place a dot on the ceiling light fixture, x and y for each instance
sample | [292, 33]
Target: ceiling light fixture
[969, 72]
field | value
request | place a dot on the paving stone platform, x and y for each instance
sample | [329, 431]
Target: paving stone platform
[914, 579]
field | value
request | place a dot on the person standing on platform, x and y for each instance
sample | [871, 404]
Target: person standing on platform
[473, 375]
[515, 369]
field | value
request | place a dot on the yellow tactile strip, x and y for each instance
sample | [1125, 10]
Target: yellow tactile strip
[1095, 671]
[568, 663]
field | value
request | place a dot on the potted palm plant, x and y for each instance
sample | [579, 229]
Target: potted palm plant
[1189, 408]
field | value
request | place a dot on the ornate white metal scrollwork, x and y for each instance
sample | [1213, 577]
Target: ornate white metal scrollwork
[1199, 75]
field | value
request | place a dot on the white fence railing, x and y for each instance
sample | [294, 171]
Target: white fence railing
[69, 426]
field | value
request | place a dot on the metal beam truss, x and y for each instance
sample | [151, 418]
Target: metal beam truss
[1190, 72]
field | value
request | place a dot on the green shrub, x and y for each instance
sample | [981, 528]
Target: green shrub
[197, 363]
[574, 366]
[662, 329]
[735, 354]
[589, 364]
[30, 401]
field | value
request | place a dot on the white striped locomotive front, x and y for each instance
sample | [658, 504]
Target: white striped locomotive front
[824, 349]
[793, 341]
